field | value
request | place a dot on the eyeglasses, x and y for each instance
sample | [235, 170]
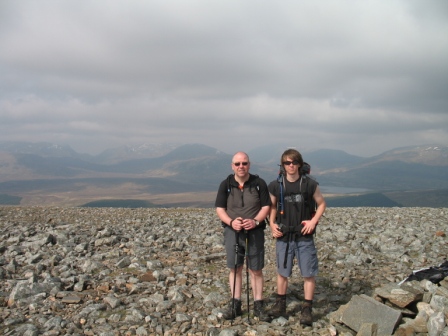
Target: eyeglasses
[287, 163]
[237, 164]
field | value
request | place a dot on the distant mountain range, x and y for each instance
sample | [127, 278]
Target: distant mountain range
[188, 175]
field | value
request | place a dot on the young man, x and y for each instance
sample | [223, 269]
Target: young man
[242, 204]
[293, 219]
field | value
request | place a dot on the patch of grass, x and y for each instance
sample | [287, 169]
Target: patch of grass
[324, 280]
[210, 268]
[364, 200]
[120, 203]
[126, 270]
[6, 199]
[211, 289]
[108, 313]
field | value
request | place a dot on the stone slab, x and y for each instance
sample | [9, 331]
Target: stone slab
[363, 309]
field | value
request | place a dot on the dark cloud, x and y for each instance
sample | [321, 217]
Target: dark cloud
[358, 76]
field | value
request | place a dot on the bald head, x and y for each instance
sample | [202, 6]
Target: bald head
[240, 155]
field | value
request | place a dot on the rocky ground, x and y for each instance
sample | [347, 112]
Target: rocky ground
[104, 271]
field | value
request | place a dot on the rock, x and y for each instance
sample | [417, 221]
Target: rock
[365, 310]
[368, 329]
[401, 296]
[104, 271]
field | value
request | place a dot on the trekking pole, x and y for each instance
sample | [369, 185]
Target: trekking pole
[281, 200]
[247, 274]
[234, 274]
[281, 205]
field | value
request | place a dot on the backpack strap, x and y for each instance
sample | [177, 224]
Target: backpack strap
[254, 183]
[255, 180]
[228, 185]
[310, 204]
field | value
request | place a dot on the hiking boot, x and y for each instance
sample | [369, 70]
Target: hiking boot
[306, 318]
[232, 310]
[279, 307]
[260, 312]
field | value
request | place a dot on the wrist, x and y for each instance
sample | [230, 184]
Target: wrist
[231, 221]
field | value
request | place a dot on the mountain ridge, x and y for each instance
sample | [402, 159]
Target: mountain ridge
[198, 169]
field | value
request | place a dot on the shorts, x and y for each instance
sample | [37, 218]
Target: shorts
[306, 253]
[255, 248]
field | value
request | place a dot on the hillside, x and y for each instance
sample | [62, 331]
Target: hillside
[188, 175]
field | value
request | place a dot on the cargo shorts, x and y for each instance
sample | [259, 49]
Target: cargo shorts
[304, 251]
[255, 250]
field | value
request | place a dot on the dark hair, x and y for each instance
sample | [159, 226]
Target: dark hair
[293, 154]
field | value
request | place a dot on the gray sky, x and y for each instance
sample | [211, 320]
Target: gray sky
[360, 76]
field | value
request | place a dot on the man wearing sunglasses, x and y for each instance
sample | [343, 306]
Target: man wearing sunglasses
[293, 219]
[242, 204]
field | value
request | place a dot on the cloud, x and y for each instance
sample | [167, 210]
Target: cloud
[359, 76]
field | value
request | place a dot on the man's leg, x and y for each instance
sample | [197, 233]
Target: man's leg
[309, 285]
[234, 308]
[234, 255]
[238, 284]
[257, 281]
[308, 264]
[282, 284]
[279, 307]
[255, 262]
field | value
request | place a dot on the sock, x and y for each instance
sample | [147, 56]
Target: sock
[283, 297]
[309, 302]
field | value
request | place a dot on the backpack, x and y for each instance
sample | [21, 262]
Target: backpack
[310, 203]
[435, 274]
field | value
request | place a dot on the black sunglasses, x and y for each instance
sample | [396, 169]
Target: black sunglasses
[237, 164]
[287, 163]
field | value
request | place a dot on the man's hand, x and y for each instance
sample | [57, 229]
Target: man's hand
[276, 233]
[237, 224]
[308, 227]
[249, 224]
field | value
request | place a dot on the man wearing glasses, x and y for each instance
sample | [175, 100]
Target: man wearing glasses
[242, 204]
[293, 219]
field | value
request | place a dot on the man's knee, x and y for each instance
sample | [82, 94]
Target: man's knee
[257, 273]
[282, 277]
[309, 279]
[238, 270]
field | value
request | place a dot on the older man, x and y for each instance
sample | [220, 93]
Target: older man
[242, 204]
